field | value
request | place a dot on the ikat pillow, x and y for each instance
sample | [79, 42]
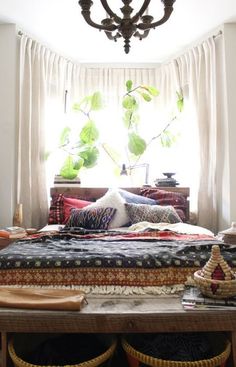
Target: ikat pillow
[91, 218]
[112, 199]
[152, 213]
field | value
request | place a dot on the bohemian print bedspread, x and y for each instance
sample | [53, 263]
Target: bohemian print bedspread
[153, 258]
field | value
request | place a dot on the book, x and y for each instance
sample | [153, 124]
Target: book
[194, 299]
[13, 232]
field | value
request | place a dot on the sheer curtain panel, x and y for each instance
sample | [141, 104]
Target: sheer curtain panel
[197, 69]
[42, 74]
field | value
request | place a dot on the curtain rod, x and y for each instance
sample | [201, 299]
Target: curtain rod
[218, 34]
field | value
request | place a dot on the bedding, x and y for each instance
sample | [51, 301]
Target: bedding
[112, 240]
[140, 258]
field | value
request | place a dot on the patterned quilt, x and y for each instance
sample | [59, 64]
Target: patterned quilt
[98, 258]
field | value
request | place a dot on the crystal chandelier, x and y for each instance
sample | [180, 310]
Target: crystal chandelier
[137, 25]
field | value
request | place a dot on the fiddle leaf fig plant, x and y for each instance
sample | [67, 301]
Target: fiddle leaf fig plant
[131, 100]
[131, 118]
[81, 146]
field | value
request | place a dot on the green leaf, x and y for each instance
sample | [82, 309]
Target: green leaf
[78, 163]
[112, 153]
[130, 118]
[180, 102]
[90, 156]
[89, 134]
[146, 97]
[127, 118]
[136, 144]
[65, 135]
[129, 102]
[153, 91]
[167, 139]
[77, 106]
[129, 85]
[96, 101]
[67, 170]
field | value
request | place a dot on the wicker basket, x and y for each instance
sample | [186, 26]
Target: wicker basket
[97, 361]
[216, 279]
[135, 357]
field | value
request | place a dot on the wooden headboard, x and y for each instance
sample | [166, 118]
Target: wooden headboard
[94, 193]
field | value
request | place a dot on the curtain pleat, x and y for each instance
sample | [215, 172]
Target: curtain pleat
[197, 68]
[42, 75]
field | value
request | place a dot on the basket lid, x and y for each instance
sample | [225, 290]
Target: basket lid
[216, 267]
[230, 231]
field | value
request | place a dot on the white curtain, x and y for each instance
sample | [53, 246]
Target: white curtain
[42, 74]
[198, 71]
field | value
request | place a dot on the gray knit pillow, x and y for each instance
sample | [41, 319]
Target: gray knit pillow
[152, 213]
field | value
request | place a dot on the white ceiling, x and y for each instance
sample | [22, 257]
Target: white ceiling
[59, 25]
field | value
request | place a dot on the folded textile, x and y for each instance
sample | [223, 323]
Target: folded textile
[42, 298]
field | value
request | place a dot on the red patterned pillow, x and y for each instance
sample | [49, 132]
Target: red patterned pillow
[56, 210]
[72, 203]
[61, 206]
[163, 197]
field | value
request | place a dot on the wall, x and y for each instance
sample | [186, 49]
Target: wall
[8, 60]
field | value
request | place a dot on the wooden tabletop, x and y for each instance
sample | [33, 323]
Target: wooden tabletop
[112, 314]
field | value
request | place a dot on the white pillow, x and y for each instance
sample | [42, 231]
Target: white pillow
[113, 199]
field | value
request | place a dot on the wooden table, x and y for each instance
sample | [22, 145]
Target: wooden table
[112, 314]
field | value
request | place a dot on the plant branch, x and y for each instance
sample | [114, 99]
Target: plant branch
[109, 155]
[163, 130]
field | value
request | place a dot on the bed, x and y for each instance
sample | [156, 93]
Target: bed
[159, 261]
[141, 257]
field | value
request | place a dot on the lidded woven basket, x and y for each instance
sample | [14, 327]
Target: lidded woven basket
[216, 279]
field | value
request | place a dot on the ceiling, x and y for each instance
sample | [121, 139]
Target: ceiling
[58, 24]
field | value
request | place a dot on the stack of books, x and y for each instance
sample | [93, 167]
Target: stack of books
[61, 181]
[12, 232]
[193, 299]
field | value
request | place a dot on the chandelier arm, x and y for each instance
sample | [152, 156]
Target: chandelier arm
[112, 37]
[144, 7]
[110, 12]
[142, 35]
[109, 28]
[167, 13]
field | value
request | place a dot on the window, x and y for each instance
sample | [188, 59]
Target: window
[181, 158]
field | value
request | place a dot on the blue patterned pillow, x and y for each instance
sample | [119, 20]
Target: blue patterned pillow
[91, 218]
[135, 199]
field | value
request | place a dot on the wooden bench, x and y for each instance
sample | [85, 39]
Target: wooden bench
[112, 314]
